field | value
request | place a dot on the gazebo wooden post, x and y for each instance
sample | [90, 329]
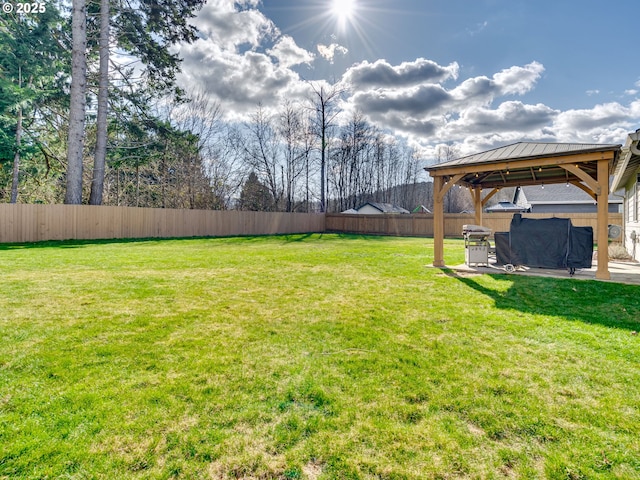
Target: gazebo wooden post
[602, 271]
[476, 193]
[438, 221]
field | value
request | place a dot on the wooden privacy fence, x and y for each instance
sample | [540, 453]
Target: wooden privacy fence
[33, 223]
[422, 224]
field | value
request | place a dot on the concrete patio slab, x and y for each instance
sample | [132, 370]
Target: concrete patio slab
[621, 272]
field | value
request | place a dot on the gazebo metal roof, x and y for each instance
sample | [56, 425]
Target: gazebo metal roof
[524, 163]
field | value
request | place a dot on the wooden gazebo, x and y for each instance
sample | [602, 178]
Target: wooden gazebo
[587, 166]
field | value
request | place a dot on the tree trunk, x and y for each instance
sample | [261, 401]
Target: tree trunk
[163, 176]
[77, 103]
[16, 159]
[99, 160]
[306, 197]
[137, 185]
[323, 149]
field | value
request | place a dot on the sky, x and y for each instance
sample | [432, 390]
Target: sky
[475, 74]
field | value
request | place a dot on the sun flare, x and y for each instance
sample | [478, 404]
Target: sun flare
[343, 10]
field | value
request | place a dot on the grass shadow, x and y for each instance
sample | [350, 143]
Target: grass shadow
[611, 305]
[288, 238]
[73, 243]
[115, 241]
[360, 236]
[300, 237]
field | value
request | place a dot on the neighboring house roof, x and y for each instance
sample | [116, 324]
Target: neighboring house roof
[506, 207]
[351, 210]
[384, 207]
[421, 209]
[555, 194]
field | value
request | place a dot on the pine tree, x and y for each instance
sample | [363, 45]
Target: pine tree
[255, 195]
[147, 30]
[32, 69]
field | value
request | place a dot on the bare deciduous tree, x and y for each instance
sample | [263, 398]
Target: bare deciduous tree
[296, 144]
[456, 199]
[323, 102]
[261, 152]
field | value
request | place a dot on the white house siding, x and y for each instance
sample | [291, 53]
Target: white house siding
[632, 215]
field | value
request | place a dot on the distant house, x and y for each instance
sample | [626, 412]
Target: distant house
[505, 207]
[421, 209]
[560, 198]
[627, 177]
[375, 208]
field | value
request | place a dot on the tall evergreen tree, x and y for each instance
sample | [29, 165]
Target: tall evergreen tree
[147, 30]
[32, 70]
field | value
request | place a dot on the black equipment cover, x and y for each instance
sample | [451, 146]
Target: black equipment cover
[545, 243]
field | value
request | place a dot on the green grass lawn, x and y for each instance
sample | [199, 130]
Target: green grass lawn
[310, 356]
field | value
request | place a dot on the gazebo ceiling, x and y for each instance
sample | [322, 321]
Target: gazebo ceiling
[527, 163]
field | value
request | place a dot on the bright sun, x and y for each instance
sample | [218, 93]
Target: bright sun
[343, 10]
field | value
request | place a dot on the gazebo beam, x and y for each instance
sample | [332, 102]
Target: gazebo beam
[448, 185]
[489, 195]
[585, 189]
[591, 182]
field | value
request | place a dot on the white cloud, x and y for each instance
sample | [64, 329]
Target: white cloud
[238, 81]
[328, 52]
[289, 54]
[382, 74]
[518, 80]
[416, 101]
[242, 59]
[388, 96]
[220, 21]
[508, 117]
[597, 124]
[589, 119]
[478, 28]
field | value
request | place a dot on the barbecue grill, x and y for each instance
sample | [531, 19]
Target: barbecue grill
[476, 244]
